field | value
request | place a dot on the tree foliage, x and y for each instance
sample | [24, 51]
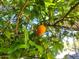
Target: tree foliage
[18, 31]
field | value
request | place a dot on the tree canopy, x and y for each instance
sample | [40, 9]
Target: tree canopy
[19, 20]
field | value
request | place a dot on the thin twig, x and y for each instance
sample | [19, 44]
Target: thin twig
[3, 4]
[73, 7]
[77, 25]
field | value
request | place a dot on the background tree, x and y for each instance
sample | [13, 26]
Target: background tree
[20, 20]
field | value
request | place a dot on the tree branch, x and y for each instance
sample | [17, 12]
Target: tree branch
[66, 27]
[19, 16]
[66, 14]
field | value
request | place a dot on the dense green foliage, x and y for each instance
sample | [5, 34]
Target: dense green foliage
[17, 30]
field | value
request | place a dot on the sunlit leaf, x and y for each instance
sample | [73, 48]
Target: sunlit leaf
[49, 55]
[8, 34]
[49, 4]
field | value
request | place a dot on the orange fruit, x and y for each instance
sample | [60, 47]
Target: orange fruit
[41, 30]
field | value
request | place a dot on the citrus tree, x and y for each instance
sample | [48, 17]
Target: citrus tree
[36, 28]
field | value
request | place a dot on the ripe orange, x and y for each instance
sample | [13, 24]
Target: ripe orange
[41, 30]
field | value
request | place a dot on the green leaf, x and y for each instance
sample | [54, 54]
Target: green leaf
[27, 11]
[22, 46]
[3, 50]
[50, 56]
[15, 47]
[32, 43]
[12, 49]
[40, 49]
[26, 36]
[49, 1]
[7, 34]
[62, 0]
[49, 4]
